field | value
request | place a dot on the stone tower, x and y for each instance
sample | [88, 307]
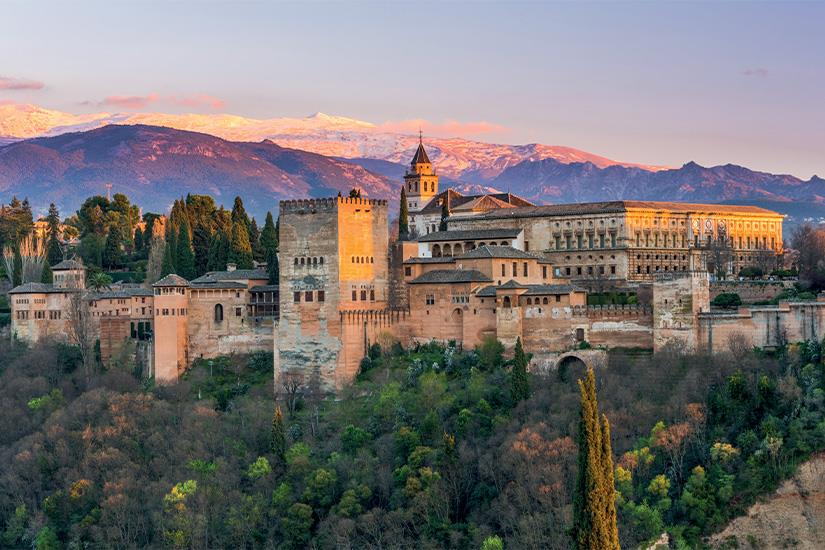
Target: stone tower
[333, 258]
[678, 300]
[69, 274]
[171, 305]
[421, 180]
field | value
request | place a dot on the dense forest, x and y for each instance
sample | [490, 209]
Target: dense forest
[431, 447]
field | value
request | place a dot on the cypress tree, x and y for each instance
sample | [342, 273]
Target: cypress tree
[46, 277]
[185, 262]
[272, 267]
[258, 252]
[520, 388]
[112, 254]
[138, 240]
[269, 234]
[239, 214]
[445, 212]
[403, 217]
[594, 509]
[168, 266]
[240, 251]
[54, 253]
[277, 438]
[17, 267]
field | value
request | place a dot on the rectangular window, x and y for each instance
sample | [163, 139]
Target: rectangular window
[515, 268]
[296, 297]
[408, 271]
[503, 272]
[429, 299]
[527, 246]
[558, 297]
[354, 295]
[363, 295]
[237, 312]
[308, 296]
[372, 295]
[544, 272]
[612, 269]
[524, 268]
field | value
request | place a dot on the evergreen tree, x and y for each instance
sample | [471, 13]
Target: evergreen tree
[272, 267]
[201, 244]
[445, 212]
[46, 277]
[168, 265]
[138, 241]
[277, 438]
[594, 508]
[403, 217]
[218, 251]
[520, 388]
[54, 253]
[269, 235]
[17, 267]
[258, 252]
[112, 253]
[185, 261]
[240, 252]
[239, 215]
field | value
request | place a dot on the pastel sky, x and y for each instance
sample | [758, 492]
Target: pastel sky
[655, 83]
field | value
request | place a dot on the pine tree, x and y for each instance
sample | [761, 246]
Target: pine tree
[277, 438]
[185, 261]
[54, 253]
[403, 217]
[520, 388]
[46, 277]
[594, 508]
[240, 252]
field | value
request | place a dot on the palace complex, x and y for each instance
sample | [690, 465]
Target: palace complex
[472, 267]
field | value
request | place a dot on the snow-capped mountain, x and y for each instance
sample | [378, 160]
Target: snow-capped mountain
[335, 136]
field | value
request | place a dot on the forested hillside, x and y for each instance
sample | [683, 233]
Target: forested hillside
[432, 447]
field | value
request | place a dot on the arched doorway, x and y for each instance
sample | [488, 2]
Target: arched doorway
[436, 251]
[571, 367]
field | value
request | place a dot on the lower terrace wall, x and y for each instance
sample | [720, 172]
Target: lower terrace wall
[750, 291]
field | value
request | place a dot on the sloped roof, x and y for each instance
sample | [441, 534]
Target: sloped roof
[452, 276]
[617, 207]
[264, 288]
[470, 235]
[237, 275]
[428, 260]
[37, 288]
[217, 284]
[488, 251]
[67, 264]
[420, 156]
[172, 280]
[459, 202]
[129, 292]
[532, 290]
[511, 284]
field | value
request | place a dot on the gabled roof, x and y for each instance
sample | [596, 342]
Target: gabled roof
[38, 288]
[488, 251]
[511, 284]
[617, 207]
[67, 264]
[470, 235]
[451, 276]
[236, 275]
[459, 202]
[420, 156]
[172, 280]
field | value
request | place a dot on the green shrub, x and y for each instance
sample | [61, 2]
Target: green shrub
[727, 300]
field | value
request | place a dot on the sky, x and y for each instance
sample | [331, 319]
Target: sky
[653, 83]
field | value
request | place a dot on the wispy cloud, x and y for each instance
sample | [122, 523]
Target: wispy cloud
[758, 72]
[8, 83]
[448, 128]
[140, 102]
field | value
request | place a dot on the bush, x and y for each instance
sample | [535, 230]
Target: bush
[751, 272]
[727, 300]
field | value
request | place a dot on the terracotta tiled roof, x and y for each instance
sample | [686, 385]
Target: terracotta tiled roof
[619, 207]
[237, 275]
[67, 264]
[452, 276]
[532, 290]
[172, 280]
[470, 235]
[488, 251]
[37, 288]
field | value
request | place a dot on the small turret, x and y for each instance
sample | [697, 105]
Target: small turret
[421, 181]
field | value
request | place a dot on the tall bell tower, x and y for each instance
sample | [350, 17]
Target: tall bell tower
[421, 180]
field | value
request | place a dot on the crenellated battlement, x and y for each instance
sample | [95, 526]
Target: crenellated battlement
[361, 201]
[304, 205]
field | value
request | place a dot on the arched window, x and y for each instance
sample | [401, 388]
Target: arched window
[544, 300]
[529, 301]
[302, 261]
[314, 261]
[218, 313]
[321, 260]
[296, 261]
[507, 302]
[436, 251]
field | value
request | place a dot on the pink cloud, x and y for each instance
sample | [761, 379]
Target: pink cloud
[131, 102]
[757, 71]
[140, 102]
[198, 100]
[8, 83]
[448, 128]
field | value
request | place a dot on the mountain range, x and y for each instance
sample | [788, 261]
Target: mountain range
[50, 156]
